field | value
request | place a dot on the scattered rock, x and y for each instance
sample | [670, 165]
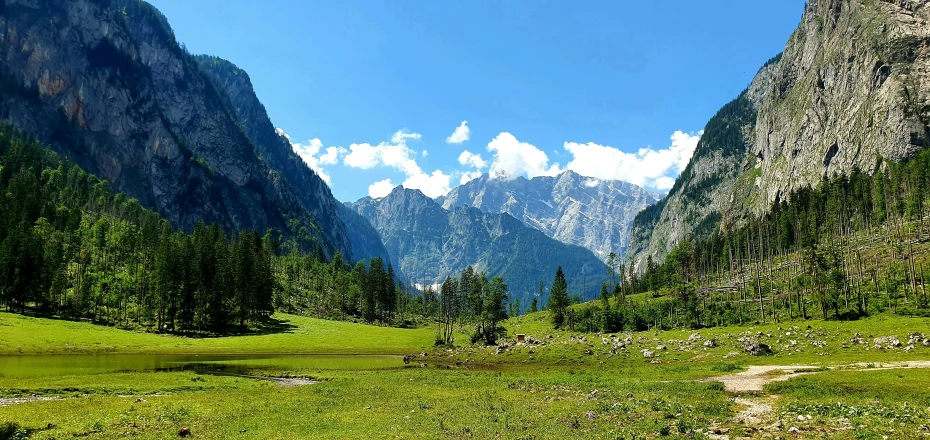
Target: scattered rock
[694, 337]
[184, 432]
[710, 343]
[588, 352]
[661, 348]
[886, 342]
[648, 354]
[590, 415]
[755, 348]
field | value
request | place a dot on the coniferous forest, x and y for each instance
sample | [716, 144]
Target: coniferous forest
[852, 246]
[69, 247]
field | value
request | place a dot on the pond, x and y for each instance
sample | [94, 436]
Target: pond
[64, 365]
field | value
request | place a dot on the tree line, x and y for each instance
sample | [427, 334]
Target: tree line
[72, 248]
[850, 246]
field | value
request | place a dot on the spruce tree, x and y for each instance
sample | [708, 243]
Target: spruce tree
[558, 298]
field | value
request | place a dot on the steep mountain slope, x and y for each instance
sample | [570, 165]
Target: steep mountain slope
[106, 84]
[275, 149]
[430, 243]
[852, 87]
[698, 200]
[595, 214]
[365, 240]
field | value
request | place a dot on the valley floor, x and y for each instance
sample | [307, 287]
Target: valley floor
[826, 381]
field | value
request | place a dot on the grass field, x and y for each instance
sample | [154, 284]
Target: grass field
[567, 388]
[26, 335]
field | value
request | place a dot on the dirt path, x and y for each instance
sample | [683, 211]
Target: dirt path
[756, 377]
[757, 409]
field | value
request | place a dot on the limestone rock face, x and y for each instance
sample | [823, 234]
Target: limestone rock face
[430, 243]
[106, 84]
[275, 149]
[573, 209]
[851, 87]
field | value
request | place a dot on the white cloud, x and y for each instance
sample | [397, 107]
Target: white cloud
[380, 189]
[472, 159]
[396, 154]
[433, 185]
[513, 158]
[402, 136]
[591, 183]
[331, 157]
[461, 134]
[663, 183]
[309, 152]
[468, 176]
[646, 167]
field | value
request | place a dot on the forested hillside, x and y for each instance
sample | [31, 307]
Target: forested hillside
[107, 85]
[851, 86]
[70, 247]
[851, 246]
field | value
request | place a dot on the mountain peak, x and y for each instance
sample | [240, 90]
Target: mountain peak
[568, 207]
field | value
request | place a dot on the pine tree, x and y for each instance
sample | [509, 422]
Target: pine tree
[558, 298]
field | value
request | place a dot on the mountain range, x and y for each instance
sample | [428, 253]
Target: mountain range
[573, 209]
[430, 243]
[107, 85]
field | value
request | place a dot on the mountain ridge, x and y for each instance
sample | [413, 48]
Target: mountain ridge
[573, 209]
[851, 87]
[107, 85]
[430, 243]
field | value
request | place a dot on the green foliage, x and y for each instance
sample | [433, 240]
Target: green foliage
[70, 247]
[558, 299]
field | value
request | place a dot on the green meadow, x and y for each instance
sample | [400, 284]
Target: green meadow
[356, 385]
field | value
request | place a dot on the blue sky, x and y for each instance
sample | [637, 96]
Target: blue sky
[372, 92]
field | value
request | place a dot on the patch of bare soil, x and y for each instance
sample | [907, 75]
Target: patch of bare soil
[756, 377]
[284, 381]
[7, 401]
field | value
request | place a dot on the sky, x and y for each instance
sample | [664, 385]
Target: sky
[429, 94]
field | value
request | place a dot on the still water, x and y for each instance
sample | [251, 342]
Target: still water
[38, 366]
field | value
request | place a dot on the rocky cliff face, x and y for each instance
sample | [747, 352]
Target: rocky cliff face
[430, 243]
[243, 104]
[106, 84]
[852, 87]
[595, 214]
[365, 240]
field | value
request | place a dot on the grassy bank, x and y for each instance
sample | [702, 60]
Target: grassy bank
[27, 335]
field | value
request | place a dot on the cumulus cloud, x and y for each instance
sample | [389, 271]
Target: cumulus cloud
[396, 154]
[646, 167]
[331, 157]
[309, 152]
[380, 188]
[513, 158]
[474, 160]
[468, 176]
[461, 134]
